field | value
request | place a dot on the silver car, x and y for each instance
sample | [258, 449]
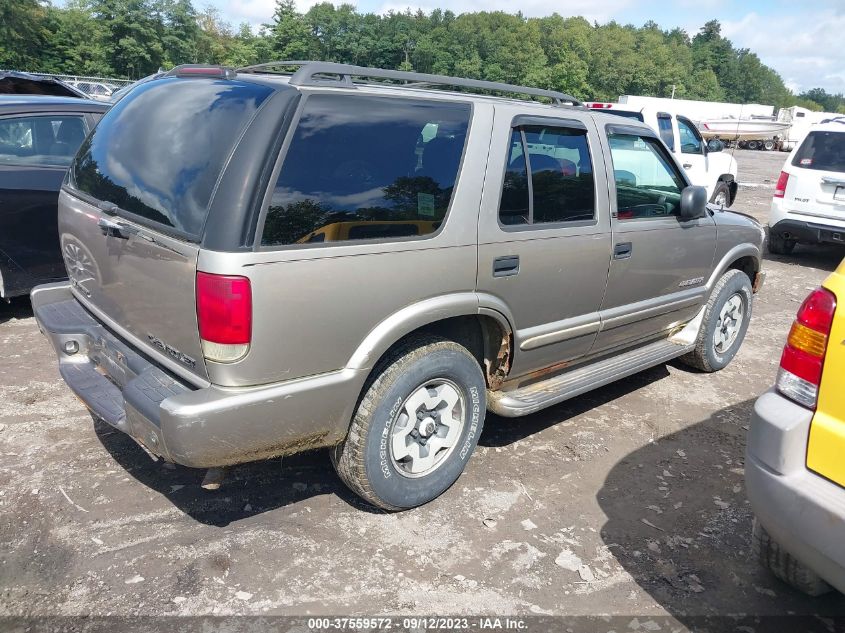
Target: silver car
[264, 262]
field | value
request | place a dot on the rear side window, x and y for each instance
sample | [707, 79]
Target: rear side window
[41, 140]
[560, 187]
[158, 153]
[664, 127]
[363, 167]
[824, 151]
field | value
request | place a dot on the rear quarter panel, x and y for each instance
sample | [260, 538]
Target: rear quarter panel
[314, 306]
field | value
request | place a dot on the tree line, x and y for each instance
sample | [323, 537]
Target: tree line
[134, 38]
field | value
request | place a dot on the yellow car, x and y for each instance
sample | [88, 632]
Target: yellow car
[795, 463]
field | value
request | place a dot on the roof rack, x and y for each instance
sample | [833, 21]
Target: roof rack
[309, 74]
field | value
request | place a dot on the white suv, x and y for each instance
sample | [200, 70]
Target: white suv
[704, 163]
[809, 201]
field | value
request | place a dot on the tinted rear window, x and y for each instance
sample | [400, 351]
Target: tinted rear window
[824, 151]
[362, 167]
[627, 114]
[158, 153]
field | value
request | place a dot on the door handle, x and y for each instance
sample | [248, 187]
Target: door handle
[623, 250]
[687, 165]
[506, 266]
[110, 228]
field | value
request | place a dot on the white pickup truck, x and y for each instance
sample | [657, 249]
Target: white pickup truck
[704, 163]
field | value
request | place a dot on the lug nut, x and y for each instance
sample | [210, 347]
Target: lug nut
[71, 347]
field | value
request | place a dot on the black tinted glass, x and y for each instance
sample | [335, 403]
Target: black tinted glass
[362, 167]
[664, 123]
[514, 208]
[824, 151]
[561, 174]
[637, 116]
[159, 152]
[41, 140]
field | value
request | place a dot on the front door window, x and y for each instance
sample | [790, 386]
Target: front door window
[691, 142]
[647, 183]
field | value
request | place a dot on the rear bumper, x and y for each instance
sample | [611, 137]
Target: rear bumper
[802, 511]
[810, 232]
[213, 426]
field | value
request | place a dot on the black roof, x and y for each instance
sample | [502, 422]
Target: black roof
[17, 83]
[42, 103]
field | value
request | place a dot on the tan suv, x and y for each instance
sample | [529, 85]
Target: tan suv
[263, 262]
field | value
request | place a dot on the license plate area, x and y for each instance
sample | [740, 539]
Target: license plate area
[839, 193]
[110, 362]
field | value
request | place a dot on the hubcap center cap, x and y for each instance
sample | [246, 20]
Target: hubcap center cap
[427, 427]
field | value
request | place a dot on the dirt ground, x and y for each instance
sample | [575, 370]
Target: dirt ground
[641, 482]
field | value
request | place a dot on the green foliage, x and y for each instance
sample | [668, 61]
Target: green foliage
[23, 32]
[600, 62]
[820, 100]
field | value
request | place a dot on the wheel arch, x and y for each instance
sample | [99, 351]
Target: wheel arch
[744, 257]
[478, 324]
[733, 187]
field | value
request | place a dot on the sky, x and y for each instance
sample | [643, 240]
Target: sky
[801, 39]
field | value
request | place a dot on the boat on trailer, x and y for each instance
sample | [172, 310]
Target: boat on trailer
[730, 129]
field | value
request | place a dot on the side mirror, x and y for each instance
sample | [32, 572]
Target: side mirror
[693, 203]
[715, 145]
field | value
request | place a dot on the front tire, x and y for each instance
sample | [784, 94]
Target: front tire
[726, 318]
[416, 425]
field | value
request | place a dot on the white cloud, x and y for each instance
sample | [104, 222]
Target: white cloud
[806, 49]
[257, 12]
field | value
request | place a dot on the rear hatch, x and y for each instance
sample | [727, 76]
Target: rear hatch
[135, 202]
[817, 184]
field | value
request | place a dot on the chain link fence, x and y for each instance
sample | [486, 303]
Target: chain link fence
[97, 87]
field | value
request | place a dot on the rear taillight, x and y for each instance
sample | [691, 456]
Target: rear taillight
[224, 315]
[780, 187]
[801, 364]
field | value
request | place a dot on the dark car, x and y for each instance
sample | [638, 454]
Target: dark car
[39, 136]
[15, 83]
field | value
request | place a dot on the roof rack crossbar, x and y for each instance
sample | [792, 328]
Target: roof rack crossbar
[308, 75]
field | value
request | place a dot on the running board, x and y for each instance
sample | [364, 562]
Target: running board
[545, 393]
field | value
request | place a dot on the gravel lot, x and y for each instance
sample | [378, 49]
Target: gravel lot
[641, 482]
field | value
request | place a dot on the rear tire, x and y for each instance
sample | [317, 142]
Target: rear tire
[778, 245]
[416, 425]
[783, 565]
[726, 317]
